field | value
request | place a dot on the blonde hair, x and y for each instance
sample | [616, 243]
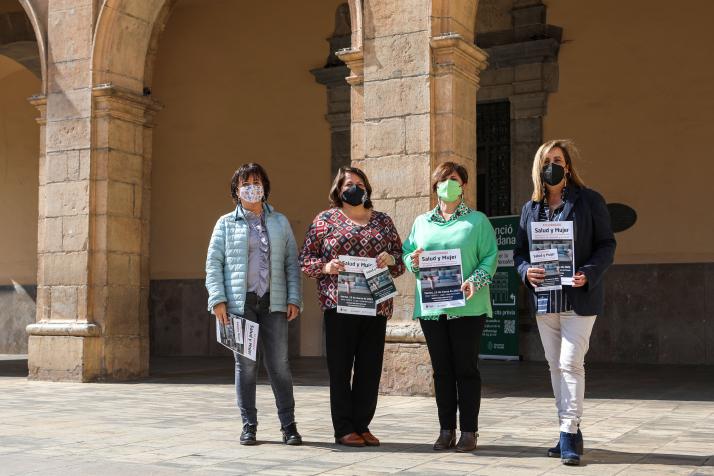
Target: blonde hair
[571, 155]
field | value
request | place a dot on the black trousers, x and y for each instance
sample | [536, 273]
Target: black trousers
[355, 350]
[454, 347]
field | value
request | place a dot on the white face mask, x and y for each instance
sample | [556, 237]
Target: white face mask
[251, 193]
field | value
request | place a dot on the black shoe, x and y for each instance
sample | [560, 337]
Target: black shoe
[446, 440]
[467, 442]
[247, 436]
[291, 436]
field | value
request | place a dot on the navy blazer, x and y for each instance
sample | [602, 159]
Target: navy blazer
[594, 247]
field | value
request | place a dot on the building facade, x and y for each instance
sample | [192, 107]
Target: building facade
[115, 169]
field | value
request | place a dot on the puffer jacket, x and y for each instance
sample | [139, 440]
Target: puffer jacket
[227, 262]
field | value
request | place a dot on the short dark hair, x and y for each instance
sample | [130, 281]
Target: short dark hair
[335, 190]
[246, 171]
[445, 169]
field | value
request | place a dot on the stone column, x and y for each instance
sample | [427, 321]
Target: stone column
[93, 216]
[64, 333]
[413, 106]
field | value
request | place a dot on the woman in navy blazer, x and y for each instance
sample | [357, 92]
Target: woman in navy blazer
[566, 317]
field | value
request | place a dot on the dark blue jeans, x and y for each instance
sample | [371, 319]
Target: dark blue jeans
[273, 350]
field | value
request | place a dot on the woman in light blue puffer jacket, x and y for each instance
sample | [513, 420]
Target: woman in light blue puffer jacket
[252, 271]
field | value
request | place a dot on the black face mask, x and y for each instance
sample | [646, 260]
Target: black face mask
[354, 196]
[552, 174]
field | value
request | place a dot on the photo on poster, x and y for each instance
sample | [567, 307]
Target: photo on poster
[353, 292]
[556, 235]
[225, 334]
[380, 284]
[547, 260]
[440, 280]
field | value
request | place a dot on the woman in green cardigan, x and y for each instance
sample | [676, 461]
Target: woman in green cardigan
[453, 334]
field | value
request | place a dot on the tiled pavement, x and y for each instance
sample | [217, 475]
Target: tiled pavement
[638, 421]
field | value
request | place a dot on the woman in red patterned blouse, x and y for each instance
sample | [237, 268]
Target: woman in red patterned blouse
[354, 343]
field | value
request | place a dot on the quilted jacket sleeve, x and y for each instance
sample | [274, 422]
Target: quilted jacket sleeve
[215, 260]
[292, 268]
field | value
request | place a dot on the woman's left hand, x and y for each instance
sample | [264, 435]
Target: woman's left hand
[293, 311]
[469, 289]
[384, 259]
[579, 280]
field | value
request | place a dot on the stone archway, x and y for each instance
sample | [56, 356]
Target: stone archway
[20, 78]
[93, 297]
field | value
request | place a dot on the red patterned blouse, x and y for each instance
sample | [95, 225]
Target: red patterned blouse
[333, 234]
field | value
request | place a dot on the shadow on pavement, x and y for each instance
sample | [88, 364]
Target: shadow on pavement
[591, 457]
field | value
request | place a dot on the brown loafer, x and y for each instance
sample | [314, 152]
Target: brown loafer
[446, 440]
[351, 439]
[467, 442]
[370, 439]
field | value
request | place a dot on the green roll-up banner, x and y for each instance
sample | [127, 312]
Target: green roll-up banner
[500, 336]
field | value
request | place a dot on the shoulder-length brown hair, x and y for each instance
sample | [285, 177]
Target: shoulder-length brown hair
[571, 155]
[336, 189]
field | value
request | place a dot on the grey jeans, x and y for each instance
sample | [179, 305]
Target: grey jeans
[273, 350]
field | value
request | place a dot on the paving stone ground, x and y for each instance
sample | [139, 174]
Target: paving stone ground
[653, 422]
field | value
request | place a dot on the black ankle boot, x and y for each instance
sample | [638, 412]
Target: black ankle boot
[291, 436]
[247, 436]
[446, 440]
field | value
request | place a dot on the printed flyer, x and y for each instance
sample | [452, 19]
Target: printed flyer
[380, 283]
[239, 335]
[547, 260]
[558, 235]
[440, 279]
[353, 293]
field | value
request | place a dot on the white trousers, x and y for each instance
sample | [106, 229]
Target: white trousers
[566, 338]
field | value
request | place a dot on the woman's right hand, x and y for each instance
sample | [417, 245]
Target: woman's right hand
[221, 312]
[333, 267]
[535, 275]
[415, 257]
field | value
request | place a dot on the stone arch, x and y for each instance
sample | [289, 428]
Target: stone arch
[125, 44]
[454, 16]
[22, 39]
[356, 21]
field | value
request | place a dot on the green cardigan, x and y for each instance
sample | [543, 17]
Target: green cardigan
[474, 235]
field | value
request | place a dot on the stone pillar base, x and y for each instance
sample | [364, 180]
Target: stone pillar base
[406, 370]
[87, 359]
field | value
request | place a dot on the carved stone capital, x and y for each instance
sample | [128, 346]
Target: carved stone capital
[452, 54]
[40, 103]
[354, 59]
[121, 103]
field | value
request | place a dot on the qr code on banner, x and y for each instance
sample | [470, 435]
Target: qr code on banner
[509, 326]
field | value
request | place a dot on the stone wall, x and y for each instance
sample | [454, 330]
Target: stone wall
[17, 311]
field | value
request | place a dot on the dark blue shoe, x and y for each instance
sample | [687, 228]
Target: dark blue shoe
[555, 451]
[569, 449]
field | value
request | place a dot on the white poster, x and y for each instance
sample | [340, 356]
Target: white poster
[558, 235]
[380, 283]
[353, 293]
[548, 261]
[239, 335]
[440, 280]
